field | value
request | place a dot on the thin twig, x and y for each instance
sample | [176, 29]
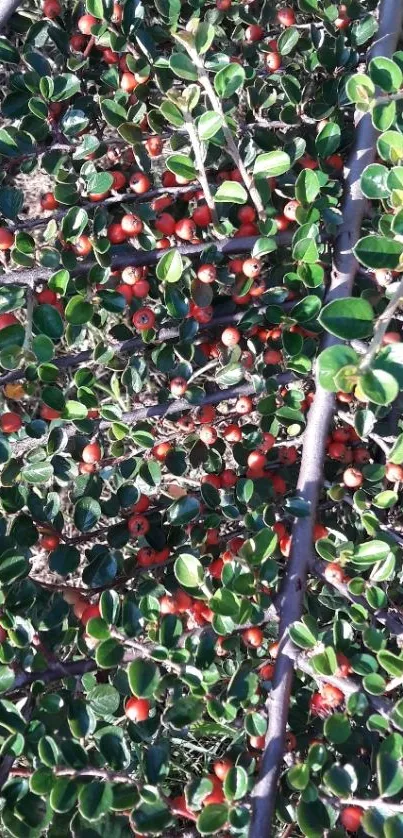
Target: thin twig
[197, 151]
[380, 328]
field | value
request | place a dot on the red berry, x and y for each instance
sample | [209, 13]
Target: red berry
[10, 423]
[137, 709]
[351, 818]
[85, 24]
[144, 319]
[52, 9]
[116, 234]
[91, 453]
[185, 229]
[352, 478]
[253, 637]
[6, 238]
[132, 225]
[140, 183]
[273, 61]
[286, 16]
[90, 612]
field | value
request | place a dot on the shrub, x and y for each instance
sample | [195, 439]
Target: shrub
[201, 439]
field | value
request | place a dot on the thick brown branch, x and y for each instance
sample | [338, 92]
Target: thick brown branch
[7, 7]
[313, 453]
[125, 255]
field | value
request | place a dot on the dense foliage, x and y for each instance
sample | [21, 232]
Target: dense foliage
[171, 306]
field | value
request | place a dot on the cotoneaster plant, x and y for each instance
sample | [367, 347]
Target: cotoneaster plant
[201, 435]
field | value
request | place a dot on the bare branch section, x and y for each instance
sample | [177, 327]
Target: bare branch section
[7, 7]
[310, 477]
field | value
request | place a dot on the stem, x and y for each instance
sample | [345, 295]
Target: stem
[124, 255]
[313, 453]
[197, 151]
[231, 144]
[90, 771]
[164, 334]
[364, 803]
[6, 10]
[28, 326]
[381, 325]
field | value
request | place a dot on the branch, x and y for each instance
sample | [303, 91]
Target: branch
[232, 147]
[126, 346]
[126, 255]
[6, 10]
[313, 453]
[122, 198]
[165, 409]
[364, 803]
[380, 328]
[382, 615]
[197, 151]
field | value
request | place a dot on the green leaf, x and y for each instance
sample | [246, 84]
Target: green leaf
[337, 728]
[109, 653]
[236, 783]
[11, 201]
[152, 818]
[312, 818]
[389, 774]
[369, 553]
[288, 40]
[113, 112]
[307, 187]
[183, 67]
[78, 311]
[170, 266]
[304, 633]
[204, 37]
[385, 74]
[172, 114]
[63, 795]
[259, 547]
[328, 139]
[64, 560]
[331, 361]
[379, 386]
[104, 700]
[360, 89]
[48, 321]
[341, 779]
[298, 776]
[37, 473]
[95, 8]
[87, 513]
[390, 146]
[95, 800]
[189, 571]
[396, 452]
[231, 192]
[229, 80]
[183, 511]
[182, 165]
[143, 678]
[208, 124]
[325, 663]
[185, 711]
[374, 181]
[212, 819]
[8, 53]
[271, 164]
[348, 318]
[391, 662]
